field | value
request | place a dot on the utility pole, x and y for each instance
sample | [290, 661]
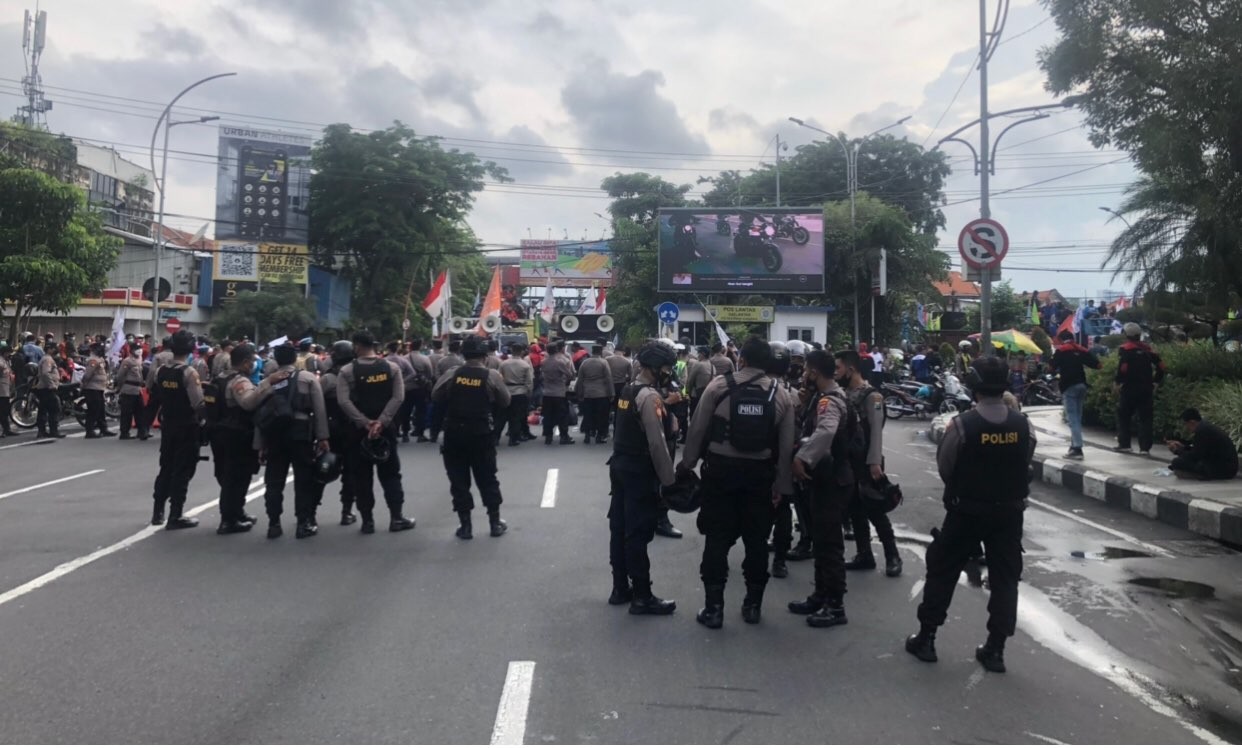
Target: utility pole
[985, 210]
[778, 170]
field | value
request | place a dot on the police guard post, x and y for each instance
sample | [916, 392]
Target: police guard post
[470, 395]
[984, 462]
[178, 399]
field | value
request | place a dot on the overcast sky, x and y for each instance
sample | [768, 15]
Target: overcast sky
[565, 93]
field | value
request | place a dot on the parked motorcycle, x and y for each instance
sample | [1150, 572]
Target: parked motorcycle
[787, 227]
[904, 400]
[755, 240]
[1042, 391]
[957, 399]
[25, 410]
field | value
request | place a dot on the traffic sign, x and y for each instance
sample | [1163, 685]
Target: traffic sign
[172, 325]
[983, 243]
[668, 312]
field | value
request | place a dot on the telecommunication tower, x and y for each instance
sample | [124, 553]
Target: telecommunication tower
[34, 35]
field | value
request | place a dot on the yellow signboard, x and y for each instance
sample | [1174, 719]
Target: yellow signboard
[284, 263]
[740, 313]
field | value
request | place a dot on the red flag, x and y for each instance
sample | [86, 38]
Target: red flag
[491, 302]
[601, 306]
[433, 304]
[1068, 324]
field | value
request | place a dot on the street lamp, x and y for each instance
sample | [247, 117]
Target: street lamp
[851, 186]
[158, 240]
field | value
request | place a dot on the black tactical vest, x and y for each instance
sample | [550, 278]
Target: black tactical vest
[232, 417]
[469, 408]
[629, 437]
[372, 387]
[991, 470]
[175, 406]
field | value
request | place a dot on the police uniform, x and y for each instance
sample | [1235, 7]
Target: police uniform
[163, 358]
[94, 381]
[424, 372]
[339, 433]
[558, 372]
[129, 387]
[233, 398]
[519, 379]
[370, 389]
[983, 460]
[409, 382]
[46, 387]
[6, 394]
[744, 432]
[293, 446]
[869, 406]
[471, 395]
[594, 391]
[177, 396]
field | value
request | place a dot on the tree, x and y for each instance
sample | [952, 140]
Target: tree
[1008, 309]
[278, 310]
[388, 208]
[53, 251]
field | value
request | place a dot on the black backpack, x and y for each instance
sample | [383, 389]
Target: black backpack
[858, 446]
[851, 437]
[275, 413]
[214, 402]
[752, 416]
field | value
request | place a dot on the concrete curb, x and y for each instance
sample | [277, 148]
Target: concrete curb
[1179, 509]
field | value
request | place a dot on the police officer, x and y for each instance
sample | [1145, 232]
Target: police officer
[493, 354]
[641, 464]
[340, 429]
[425, 377]
[698, 374]
[94, 381]
[721, 363]
[409, 382]
[744, 432]
[46, 387]
[6, 389]
[369, 391]
[471, 394]
[292, 441]
[519, 379]
[450, 361]
[594, 391]
[782, 530]
[128, 383]
[177, 399]
[983, 461]
[558, 372]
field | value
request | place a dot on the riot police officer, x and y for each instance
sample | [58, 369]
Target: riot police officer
[6, 389]
[177, 399]
[339, 427]
[983, 461]
[369, 391]
[744, 432]
[46, 388]
[640, 465]
[782, 530]
[471, 395]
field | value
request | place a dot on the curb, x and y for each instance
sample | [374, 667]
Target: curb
[1176, 508]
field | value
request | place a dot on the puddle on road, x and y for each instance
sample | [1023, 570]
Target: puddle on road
[1111, 553]
[1177, 588]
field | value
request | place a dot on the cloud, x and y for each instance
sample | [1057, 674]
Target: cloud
[175, 41]
[614, 110]
[328, 18]
[540, 165]
[547, 23]
[455, 88]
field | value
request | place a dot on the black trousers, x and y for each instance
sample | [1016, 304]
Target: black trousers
[466, 454]
[405, 413]
[1202, 469]
[737, 503]
[863, 514]
[519, 408]
[133, 411]
[827, 504]
[959, 539]
[632, 516]
[6, 410]
[338, 442]
[96, 420]
[555, 416]
[362, 474]
[782, 529]
[595, 416]
[1134, 402]
[418, 399]
[178, 462]
[234, 461]
[282, 455]
[48, 420]
[802, 504]
[681, 411]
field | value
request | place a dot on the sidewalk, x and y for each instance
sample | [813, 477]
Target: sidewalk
[1129, 481]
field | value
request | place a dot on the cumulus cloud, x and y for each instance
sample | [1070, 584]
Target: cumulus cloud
[614, 110]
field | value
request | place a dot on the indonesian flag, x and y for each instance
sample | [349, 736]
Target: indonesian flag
[601, 306]
[438, 296]
[547, 310]
[491, 302]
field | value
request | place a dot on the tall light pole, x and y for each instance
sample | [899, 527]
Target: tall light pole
[851, 186]
[165, 120]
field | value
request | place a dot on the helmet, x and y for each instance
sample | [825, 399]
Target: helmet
[888, 494]
[473, 347]
[328, 468]
[988, 376]
[377, 451]
[1132, 330]
[779, 365]
[797, 349]
[965, 344]
[342, 352]
[683, 495]
[656, 355]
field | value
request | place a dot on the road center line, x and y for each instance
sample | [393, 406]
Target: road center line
[510, 726]
[27, 489]
[1103, 528]
[549, 489]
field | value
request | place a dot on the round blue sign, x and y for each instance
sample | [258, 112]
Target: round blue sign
[668, 312]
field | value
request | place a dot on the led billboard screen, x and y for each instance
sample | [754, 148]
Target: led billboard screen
[262, 186]
[742, 250]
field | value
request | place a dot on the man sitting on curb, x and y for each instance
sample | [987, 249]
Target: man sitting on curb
[1210, 455]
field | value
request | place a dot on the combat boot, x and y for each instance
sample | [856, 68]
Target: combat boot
[861, 562]
[647, 604]
[621, 594]
[753, 603]
[177, 522]
[892, 561]
[499, 526]
[400, 522]
[347, 517]
[800, 552]
[991, 654]
[779, 569]
[831, 614]
[231, 527]
[923, 644]
[368, 524]
[273, 529]
[807, 606]
[306, 529]
[712, 614]
[466, 531]
[157, 514]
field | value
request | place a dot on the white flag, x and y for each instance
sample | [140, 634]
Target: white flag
[118, 336]
[588, 302]
[548, 309]
[721, 335]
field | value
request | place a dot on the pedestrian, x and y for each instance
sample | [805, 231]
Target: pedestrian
[519, 379]
[983, 459]
[867, 464]
[369, 391]
[744, 433]
[1139, 372]
[594, 391]
[340, 429]
[558, 372]
[6, 389]
[1210, 454]
[876, 377]
[641, 465]
[424, 378]
[94, 382]
[1069, 363]
[46, 387]
[471, 395]
[177, 400]
[409, 383]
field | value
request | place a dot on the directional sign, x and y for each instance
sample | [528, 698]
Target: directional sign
[172, 325]
[668, 312]
[983, 243]
[405, 324]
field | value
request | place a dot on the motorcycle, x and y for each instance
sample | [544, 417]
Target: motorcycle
[755, 240]
[904, 400]
[1042, 391]
[787, 227]
[686, 240]
[25, 410]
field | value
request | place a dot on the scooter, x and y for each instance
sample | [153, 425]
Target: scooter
[1042, 391]
[755, 240]
[787, 227]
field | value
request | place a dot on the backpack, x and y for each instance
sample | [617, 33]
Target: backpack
[851, 437]
[859, 445]
[214, 400]
[752, 416]
[275, 413]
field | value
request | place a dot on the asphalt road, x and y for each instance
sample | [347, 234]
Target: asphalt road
[115, 632]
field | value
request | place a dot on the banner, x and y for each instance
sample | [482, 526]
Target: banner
[236, 261]
[568, 264]
[284, 263]
[740, 313]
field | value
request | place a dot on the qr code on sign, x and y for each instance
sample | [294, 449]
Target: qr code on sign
[238, 261]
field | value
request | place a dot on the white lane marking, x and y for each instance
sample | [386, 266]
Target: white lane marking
[27, 489]
[510, 726]
[1103, 528]
[1045, 738]
[27, 444]
[549, 489]
[916, 589]
[71, 566]
[975, 679]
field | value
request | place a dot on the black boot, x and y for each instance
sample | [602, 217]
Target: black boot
[176, 521]
[347, 515]
[400, 522]
[567, 439]
[923, 644]
[665, 529]
[807, 606]
[647, 604]
[861, 562]
[892, 561]
[831, 614]
[466, 531]
[306, 529]
[273, 529]
[621, 593]
[232, 526]
[157, 514]
[499, 526]
[801, 552]
[368, 525]
[779, 569]
[712, 614]
[847, 531]
[753, 603]
[992, 654]
[586, 439]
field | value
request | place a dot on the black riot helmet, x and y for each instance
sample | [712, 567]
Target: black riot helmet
[328, 467]
[473, 347]
[342, 352]
[778, 365]
[988, 376]
[376, 451]
[656, 355]
[683, 496]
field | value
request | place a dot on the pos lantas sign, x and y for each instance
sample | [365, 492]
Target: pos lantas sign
[283, 263]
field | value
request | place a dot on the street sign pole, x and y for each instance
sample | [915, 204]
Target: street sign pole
[985, 210]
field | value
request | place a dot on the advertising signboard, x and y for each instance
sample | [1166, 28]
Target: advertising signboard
[262, 185]
[283, 263]
[570, 264]
[741, 313]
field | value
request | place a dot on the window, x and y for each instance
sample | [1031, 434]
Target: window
[805, 334]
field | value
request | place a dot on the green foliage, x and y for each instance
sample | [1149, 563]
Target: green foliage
[52, 250]
[1008, 310]
[947, 355]
[1042, 339]
[388, 208]
[1223, 406]
[274, 311]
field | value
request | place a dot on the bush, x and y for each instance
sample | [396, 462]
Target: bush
[1223, 407]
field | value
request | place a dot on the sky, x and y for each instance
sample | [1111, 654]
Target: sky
[565, 93]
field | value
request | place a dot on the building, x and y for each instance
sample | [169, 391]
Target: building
[119, 189]
[806, 323]
[957, 291]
